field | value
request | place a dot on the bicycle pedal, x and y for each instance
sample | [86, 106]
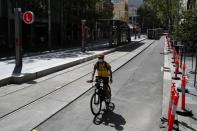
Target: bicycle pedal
[107, 100]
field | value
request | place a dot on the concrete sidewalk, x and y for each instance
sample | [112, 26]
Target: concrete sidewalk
[41, 65]
[184, 123]
[188, 123]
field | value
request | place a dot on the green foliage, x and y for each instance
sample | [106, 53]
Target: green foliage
[166, 10]
[148, 16]
[186, 31]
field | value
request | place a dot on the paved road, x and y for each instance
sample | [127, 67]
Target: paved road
[136, 94]
[45, 96]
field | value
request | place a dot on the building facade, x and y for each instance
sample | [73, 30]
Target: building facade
[188, 4]
[121, 10]
[64, 21]
[132, 14]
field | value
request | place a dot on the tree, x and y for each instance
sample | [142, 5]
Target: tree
[186, 31]
[148, 17]
[166, 11]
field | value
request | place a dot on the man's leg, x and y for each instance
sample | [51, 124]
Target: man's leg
[107, 91]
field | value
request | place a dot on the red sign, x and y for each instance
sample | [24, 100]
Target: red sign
[28, 17]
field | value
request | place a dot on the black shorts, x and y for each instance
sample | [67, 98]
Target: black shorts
[105, 80]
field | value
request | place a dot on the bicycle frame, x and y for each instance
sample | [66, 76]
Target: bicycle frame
[99, 95]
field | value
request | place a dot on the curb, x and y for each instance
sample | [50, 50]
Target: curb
[166, 96]
[166, 87]
[15, 79]
[52, 51]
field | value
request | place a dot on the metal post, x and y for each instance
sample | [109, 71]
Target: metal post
[184, 56]
[83, 35]
[111, 33]
[192, 60]
[96, 30]
[62, 23]
[181, 55]
[195, 71]
[18, 39]
[49, 23]
[135, 28]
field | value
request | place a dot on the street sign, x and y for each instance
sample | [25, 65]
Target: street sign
[28, 17]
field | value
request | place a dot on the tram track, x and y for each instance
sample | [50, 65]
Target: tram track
[66, 84]
[46, 78]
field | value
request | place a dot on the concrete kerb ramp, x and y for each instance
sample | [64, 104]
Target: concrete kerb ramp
[21, 78]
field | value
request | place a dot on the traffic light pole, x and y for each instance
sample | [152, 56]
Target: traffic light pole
[18, 40]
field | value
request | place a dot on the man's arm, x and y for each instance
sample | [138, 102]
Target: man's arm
[94, 70]
[110, 71]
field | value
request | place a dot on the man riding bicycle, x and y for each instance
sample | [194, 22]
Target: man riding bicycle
[104, 72]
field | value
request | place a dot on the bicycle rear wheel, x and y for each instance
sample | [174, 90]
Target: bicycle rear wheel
[95, 104]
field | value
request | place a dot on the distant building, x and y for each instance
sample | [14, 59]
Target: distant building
[121, 10]
[132, 10]
[105, 5]
[132, 13]
[188, 4]
[136, 3]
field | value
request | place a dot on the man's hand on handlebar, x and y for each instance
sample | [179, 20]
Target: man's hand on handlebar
[111, 80]
[89, 81]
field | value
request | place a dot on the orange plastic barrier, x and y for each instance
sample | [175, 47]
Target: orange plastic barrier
[173, 112]
[172, 92]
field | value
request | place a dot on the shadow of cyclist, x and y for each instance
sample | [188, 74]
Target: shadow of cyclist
[110, 118]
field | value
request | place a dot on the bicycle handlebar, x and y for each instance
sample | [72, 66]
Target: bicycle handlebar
[90, 81]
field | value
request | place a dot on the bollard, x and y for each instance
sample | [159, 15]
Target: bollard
[184, 69]
[184, 90]
[172, 92]
[176, 72]
[177, 64]
[173, 113]
[183, 85]
[173, 55]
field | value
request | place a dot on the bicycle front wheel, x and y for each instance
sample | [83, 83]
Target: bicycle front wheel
[95, 104]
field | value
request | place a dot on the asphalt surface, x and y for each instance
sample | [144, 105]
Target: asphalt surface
[136, 95]
[25, 106]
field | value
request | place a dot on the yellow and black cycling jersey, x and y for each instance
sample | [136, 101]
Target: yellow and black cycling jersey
[103, 69]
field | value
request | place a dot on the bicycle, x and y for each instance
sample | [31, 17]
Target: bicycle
[99, 96]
